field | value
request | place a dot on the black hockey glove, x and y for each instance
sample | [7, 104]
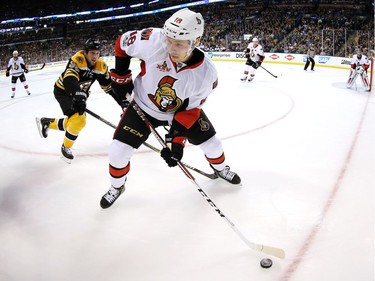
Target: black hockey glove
[122, 84]
[26, 70]
[79, 102]
[7, 73]
[173, 155]
[256, 64]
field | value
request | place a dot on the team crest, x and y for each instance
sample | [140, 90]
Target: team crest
[79, 59]
[205, 126]
[146, 33]
[163, 67]
[165, 97]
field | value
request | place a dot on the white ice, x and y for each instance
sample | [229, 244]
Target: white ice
[302, 143]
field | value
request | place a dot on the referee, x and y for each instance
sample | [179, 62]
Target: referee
[310, 58]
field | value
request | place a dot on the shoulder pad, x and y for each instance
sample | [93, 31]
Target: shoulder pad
[101, 66]
[79, 59]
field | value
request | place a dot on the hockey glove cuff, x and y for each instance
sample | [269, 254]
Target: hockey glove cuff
[174, 154]
[122, 84]
[79, 102]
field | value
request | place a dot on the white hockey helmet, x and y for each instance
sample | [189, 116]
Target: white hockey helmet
[15, 53]
[359, 53]
[255, 40]
[184, 25]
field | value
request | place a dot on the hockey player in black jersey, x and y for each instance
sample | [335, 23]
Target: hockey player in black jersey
[71, 90]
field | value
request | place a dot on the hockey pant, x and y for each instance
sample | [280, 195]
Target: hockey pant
[120, 154]
[23, 81]
[71, 125]
[249, 70]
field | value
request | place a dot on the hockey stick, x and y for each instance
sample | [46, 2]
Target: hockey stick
[269, 72]
[210, 176]
[39, 68]
[277, 252]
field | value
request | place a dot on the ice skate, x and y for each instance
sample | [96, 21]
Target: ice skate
[111, 196]
[244, 78]
[250, 79]
[227, 175]
[43, 126]
[67, 154]
[12, 96]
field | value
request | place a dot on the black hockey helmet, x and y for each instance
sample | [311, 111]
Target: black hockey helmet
[92, 44]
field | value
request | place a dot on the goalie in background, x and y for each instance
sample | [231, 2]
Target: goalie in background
[358, 67]
[18, 68]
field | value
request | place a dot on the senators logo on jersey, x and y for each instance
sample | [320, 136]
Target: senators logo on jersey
[165, 97]
[145, 35]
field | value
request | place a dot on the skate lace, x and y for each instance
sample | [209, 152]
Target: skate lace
[112, 194]
[227, 173]
[67, 150]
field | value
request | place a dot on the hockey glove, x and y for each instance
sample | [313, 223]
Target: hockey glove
[26, 70]
[174, 154]
[257, 64]
[7, 73]
[79, 102]
[359, 69]
[122, 84]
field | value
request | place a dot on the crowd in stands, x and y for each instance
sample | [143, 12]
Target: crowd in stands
[334, 30]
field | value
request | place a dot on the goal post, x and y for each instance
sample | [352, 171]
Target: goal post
[372, 57]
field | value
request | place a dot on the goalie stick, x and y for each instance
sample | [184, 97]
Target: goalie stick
[270, 250]
[210, 176]
[269, 72]
[39, 68]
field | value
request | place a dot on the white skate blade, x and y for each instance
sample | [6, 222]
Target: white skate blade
[39, 125]
[67, 160]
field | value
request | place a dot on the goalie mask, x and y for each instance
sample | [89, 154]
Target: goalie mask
[359, 54]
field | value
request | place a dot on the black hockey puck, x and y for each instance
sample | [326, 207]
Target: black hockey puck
[266, 263]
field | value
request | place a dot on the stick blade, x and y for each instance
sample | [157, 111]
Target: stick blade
[273, 251]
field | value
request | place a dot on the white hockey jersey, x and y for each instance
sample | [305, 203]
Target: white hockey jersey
[15, 66]
[363, 61]
[162, 85]
[256, 53]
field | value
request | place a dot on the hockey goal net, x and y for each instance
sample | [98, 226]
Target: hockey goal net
[372, 57]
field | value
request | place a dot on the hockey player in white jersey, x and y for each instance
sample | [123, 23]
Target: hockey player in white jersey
[358, 67]
[17, 67]
[255, 56]
[174, 82]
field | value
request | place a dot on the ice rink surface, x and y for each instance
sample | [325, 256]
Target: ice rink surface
[302, 143]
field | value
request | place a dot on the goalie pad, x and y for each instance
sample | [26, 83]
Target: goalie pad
[365, 80]
[353, 75]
